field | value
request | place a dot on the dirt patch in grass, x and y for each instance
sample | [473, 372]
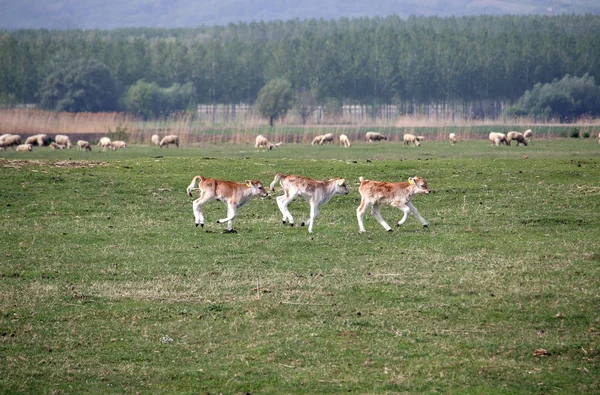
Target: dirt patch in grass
[18, 163]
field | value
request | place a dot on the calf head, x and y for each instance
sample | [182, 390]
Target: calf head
[340, 186]
[257, 188]
[419, 184]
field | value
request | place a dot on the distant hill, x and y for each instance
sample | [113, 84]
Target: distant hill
[112, 14]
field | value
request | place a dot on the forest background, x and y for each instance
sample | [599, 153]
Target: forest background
[469, 67]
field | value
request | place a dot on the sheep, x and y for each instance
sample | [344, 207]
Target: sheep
[170, 139]
[528, 134]
[83, 145]
[317, 139]
[4, 136]
[63, 140]
[105, 143]
[327, 138]
[119, 144]
[24, 147]
[345, 141]
[497, 138]
[54, 145]
[155, 139]
[396, 194]
[10, 140]
[516, 136]
[262, 142]
[452, 138]
[374, 136]
[411, 138]
[37, 139]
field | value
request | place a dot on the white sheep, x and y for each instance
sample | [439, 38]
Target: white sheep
[83, 145]
[155, 139]
[24, 147]
[516, 136]
[119, 144]
[452, 138]
[497, 138]
[63, 140]
[170, 139]
[345, 141]
[374, 136]
[411, 138]
[54, 145]
[317, 139]
[327, 138]
[105, 143]
[38, 139]
[261, 142]
[10, 140]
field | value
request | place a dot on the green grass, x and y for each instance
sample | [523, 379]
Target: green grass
[106, 286]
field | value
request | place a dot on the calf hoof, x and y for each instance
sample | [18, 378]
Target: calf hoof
[426, 226]
[283, 222]
[201, 225]
[390, 230]
[302, 224]
[230, 231]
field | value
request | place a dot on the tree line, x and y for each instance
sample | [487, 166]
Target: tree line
[482, 63]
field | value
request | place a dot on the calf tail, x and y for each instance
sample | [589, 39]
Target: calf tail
[277, 178]
[193, 184]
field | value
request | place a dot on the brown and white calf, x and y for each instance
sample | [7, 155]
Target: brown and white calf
[315, 192]
[396, 194]
[233, 194]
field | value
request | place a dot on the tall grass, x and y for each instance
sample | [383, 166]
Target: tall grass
[196, 130]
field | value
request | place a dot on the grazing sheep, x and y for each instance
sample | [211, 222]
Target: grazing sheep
[374, 136]
[37, 139]
[411, 138]
[261, 142]
[452, 138]
[54, 145]
[24, 147]
[105, 143]
[155, 139]
[327, 138]
[63, 140]
[170, 139]
[516, 136]
[83, 145]
[345, 141]
[119, 144]
[4, 136]
[317, 139]
[10, 140]
[497, 138]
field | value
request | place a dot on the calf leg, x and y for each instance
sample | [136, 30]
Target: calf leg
[360, 213]
[314, 212]
[282, 203]
[231, 213]
[417, 214]
[198, 215]
[405, 210]
[376, 211]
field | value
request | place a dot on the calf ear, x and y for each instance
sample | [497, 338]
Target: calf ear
[249, 183]
[341, 181]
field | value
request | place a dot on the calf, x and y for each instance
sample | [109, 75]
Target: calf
[233, 194]
[396, 194]
[315, 192]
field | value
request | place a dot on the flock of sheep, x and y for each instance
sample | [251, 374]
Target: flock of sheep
[62, 141]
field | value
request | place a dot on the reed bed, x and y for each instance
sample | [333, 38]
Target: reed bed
[193, 129]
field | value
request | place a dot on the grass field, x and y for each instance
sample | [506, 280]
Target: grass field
[106, 286]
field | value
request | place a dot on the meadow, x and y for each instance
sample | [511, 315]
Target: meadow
[106, 286]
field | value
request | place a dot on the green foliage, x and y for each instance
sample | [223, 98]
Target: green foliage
[275, 99]
[120, 133]
[78, 85]
[574, 132]
[566, 99]
[150, 100]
